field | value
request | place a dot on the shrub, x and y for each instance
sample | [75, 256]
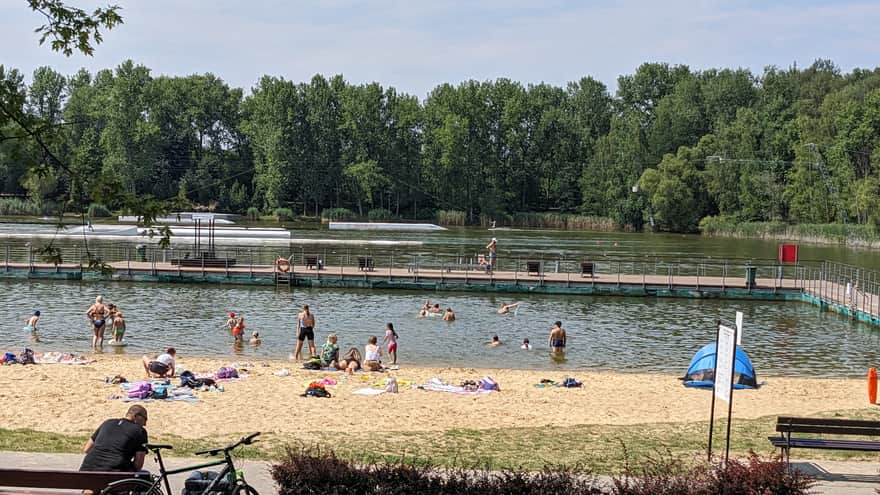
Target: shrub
[283, 214]
[451, 217]
[97, 210]
[426, 214]
[379, 215]
[16, 206]
[253, 213]
[337, 214]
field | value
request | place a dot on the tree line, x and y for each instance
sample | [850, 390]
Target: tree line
[670, 147]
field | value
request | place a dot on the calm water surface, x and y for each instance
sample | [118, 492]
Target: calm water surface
[609, 333]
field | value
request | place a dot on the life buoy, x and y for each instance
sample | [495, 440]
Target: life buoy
[283, 265]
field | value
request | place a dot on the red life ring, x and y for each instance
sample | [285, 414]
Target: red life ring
[283, 265]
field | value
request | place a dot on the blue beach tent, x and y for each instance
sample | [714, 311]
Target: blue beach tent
[701, 372]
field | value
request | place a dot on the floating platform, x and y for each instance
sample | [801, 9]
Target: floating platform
[398, 227]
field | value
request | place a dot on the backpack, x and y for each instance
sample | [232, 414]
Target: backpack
[226, 372]
[311, 365]
[316, 389]
[571, 382]
[9, 358]
[487, 383]
[159, 393]
[26, 357]
[139, 390]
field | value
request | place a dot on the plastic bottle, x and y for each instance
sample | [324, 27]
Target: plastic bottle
[872, 385]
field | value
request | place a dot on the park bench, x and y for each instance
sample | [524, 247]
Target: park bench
[587, 269]
[365, 263]
[313, 262]
[428, 265]
[533, 267]
[821, 426]
[59, 480]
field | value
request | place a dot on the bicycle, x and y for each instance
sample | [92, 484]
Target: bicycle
[138, 486]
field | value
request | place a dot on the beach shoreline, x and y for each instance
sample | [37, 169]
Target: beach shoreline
[73, 399]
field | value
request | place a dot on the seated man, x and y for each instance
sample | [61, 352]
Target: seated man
[162, 366]
[118, 444]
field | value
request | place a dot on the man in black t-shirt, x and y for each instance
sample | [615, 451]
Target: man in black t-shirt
[118, 444]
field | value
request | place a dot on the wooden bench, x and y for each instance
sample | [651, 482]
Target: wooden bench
[365, 263]
[313, 262]
[533, 267]
[587, 269]
[821, 426]
[60, 480]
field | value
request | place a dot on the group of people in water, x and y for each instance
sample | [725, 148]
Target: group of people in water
[101, 316]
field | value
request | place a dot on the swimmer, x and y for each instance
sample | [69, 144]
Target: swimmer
[255, 339]
[449, 315]
[525, 345]
[98, 314]
[435, 308]
[495, 341]
[238, 329]
[507, 307]
[230, 322]
[31, 324]
[423, 313]
[556, 341]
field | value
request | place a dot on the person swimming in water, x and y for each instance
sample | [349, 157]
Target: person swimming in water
[495, 341]
[449, 315]
[505, 309]
[255, 339]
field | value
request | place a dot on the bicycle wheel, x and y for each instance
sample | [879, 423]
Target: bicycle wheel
[244, 489]
[131, 487]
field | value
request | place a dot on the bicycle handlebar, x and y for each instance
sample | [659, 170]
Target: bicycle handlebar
[244, 441]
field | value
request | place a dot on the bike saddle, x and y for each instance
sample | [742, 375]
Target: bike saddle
[154, 446]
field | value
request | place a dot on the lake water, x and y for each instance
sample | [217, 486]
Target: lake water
[605, 333]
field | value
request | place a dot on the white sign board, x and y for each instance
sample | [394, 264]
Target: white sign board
[202, 216]
[724, 362]
[739, 328]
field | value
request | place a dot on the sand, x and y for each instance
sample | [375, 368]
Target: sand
[74, 399]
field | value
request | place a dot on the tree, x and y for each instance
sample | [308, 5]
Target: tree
[71, 28]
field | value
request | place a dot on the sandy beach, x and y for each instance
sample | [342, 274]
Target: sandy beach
[74, 399]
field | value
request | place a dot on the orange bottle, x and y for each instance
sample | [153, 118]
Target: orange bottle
[872, 385]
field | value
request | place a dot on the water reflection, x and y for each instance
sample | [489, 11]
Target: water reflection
[629, 334]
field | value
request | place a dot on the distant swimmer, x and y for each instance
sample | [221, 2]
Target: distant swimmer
[449, 315]
[507, 307]
[556, 341]
[230, 322]
[495, 341]
[255, 339]
[435, 308]
[31, 324]
[525, 345]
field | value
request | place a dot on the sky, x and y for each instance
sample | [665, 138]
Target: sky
[417, 44]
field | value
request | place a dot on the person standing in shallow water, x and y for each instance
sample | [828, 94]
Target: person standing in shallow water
[305, 329]
[556, 341]
[98, 314]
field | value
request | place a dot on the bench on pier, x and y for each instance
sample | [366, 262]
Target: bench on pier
[365, 263]
[587, 269]
[428, 265]
[60, 480]
[822, 426]
[313, 262]
[533, 267]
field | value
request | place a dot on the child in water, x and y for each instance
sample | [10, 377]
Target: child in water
[31, 324]
[238, 329]
[255, 339]
[525, 345]
[230, 322]
[118, 328]
[391, 340]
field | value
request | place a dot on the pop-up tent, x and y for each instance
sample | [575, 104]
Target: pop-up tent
[701, 372]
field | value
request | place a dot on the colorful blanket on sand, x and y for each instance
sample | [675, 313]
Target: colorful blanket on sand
[438, 385]
[60, 358]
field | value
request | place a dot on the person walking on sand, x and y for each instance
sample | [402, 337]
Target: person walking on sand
[492, 248]
[556, 341]
[391, 340]
[305, 329]
[98, 314]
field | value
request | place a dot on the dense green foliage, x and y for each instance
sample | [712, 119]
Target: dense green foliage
[671, 147]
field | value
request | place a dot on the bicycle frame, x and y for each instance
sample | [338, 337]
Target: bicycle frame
[228, 467]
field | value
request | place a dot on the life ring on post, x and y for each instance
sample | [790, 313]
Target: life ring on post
[283, 265]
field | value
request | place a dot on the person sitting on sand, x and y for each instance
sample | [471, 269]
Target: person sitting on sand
[372, 353]
[31, 324]
[161, 366]
[255, 339]
[525, 345]
[495, 341]
[351, 362]
[556, 340]
[449, 315]
[330, 353]
[506, 308]
[118, 328]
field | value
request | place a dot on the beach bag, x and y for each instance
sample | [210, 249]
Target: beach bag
[139, 390]
[187, 379]
[316, 389]
[487, 383]
[159, 393]
[226, 372]
[391, 385]
[26, 357]
[312, 364]
[9, 358]
[571, 382]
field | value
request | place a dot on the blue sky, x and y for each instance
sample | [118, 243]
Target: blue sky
[415, 45]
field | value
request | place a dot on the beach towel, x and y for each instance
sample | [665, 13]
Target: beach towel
[60, 358]
[369, 391]
[172, 398]
[438, 385]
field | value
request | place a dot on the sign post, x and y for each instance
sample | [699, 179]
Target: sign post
[726, 341]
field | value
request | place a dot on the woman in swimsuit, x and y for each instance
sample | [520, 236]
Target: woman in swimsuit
[31, 324]
[97, 314]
